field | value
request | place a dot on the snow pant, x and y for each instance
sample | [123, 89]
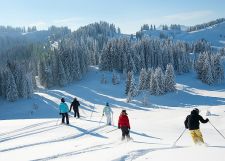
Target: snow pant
[196, 136]
[125, 132]
[76, 112]
[108, 119]
[65, 115]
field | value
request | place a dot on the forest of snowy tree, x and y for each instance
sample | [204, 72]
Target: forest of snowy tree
[63, 58]
[58, 56]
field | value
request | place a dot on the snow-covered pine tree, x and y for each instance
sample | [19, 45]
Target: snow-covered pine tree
[142, 79]
[128, 82]
[105, 59]
[160, 81]
[23, 88]
[170, 79]
[75, 67]
[4, 82]
[150, 73]
[129, 97]
[133, 87]
[29, 84]
[199, 65]
[153, 84]
[42, 73]
[131, 64]
[11, 89]
[217, 68]
[82, 56]
[207, 76]
[61, 74]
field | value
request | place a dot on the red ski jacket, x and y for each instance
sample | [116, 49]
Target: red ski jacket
[123, 121]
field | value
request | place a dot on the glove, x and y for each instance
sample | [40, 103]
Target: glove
[102, 114]
[118, 127]
[60, 113]
[207, 119]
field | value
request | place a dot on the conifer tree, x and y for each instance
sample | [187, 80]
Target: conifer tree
[128, 81]
[11, 89]
[142, 79]
[61, 74]
[170, 79]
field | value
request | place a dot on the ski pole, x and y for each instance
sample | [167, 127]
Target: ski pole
[57, 120]
[92, 111]
[112, 120]
[174, 144]
[112, 130]
[217, 130]
[100, 120]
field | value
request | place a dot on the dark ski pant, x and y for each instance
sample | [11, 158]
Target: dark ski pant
[65, 115]
[125, 132]
[76, 112]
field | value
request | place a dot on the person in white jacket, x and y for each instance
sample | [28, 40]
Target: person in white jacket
[107, 111]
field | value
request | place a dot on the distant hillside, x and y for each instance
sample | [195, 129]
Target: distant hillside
[214, 34]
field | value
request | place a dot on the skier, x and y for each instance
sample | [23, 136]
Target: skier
[75, 105]
[192, 123]
[107, 111]
[63, 109]
[124, 125]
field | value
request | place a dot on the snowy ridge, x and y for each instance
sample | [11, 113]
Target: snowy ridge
[214, 34]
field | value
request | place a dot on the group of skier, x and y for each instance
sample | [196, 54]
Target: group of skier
[123, 122]
[191, 122]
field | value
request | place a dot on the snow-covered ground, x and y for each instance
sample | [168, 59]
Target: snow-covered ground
[30, 129]
[215, 35]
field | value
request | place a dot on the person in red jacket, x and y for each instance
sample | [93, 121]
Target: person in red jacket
[124, 125]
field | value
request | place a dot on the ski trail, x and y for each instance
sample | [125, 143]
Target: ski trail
[25, 128]
[28, 133]
[66, 138]
[132, 155]
[76, 152]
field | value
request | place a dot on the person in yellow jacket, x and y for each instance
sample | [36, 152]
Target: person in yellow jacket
[192, 123]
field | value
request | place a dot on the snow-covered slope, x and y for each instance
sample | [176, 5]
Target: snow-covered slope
[214, 35]
[31, 130]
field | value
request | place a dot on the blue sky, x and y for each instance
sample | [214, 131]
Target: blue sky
[129, 15]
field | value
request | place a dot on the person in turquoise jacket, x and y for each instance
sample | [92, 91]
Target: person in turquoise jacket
[63, 110]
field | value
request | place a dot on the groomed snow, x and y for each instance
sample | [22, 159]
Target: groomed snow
[30, 129]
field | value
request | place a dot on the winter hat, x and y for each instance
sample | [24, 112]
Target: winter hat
[62, 100]
[124, 111]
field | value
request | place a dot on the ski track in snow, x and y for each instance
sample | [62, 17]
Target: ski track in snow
[66, 138]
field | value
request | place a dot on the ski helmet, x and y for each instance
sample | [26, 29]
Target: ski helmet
[196, 110]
